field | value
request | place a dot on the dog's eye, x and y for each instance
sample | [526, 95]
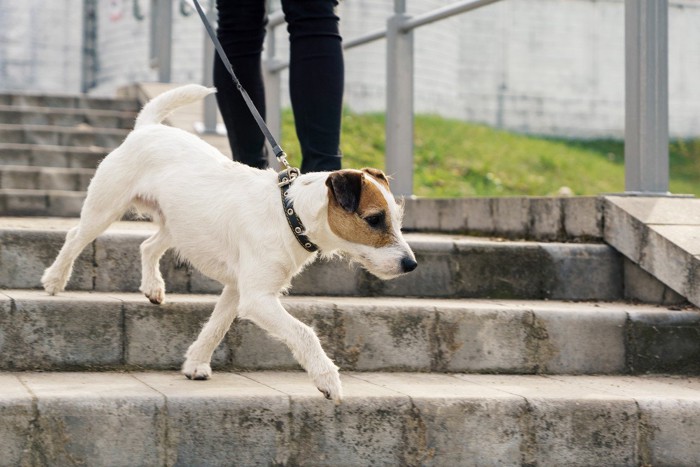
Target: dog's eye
[375, 221]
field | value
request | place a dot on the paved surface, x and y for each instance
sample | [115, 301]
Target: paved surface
[266, 418]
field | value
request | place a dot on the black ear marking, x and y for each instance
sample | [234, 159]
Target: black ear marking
[346, 186]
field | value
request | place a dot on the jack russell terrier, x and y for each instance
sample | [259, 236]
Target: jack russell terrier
[238, 225]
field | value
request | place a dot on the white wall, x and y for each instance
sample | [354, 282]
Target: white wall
[539, 66]
[40, 45]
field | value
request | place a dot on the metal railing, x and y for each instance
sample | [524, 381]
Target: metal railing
[646, 90]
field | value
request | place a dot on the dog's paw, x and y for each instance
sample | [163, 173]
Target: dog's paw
[156, 297]
[52, 284]
[155, 293]
[329, 385]
[196, 371]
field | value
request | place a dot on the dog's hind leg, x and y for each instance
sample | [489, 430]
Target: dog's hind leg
[105, 204]
[267, 312]
[90, 226]
[198, 357]
[152, 284]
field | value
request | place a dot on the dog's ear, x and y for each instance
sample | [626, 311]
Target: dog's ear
[378, 174]
[346, 186]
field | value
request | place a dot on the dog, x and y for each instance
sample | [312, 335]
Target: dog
[232, 222]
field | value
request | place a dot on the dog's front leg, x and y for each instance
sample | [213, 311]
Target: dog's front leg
[267, 312]
[198, 357]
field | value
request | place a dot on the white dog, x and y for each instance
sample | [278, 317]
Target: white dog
[230, 221]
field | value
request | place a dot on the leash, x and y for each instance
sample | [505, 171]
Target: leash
[289, 173]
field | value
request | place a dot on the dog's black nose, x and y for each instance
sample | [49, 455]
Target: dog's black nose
[408, 264]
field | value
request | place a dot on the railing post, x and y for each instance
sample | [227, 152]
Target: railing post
[272, 76]
[161, 37]
[399, 107]
[210, 113]
[646, 96]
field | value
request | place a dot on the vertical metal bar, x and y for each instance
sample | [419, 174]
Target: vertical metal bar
[646, 96]
[89, 54]
[399, 107]
[162, 25]
[208, 75]
[272, 77]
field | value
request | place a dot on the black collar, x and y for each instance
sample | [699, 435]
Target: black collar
[285, 179]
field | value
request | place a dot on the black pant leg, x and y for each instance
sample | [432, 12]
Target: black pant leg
[316, 80]
[241, 31]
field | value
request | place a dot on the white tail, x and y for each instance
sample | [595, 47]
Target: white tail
[158, 108]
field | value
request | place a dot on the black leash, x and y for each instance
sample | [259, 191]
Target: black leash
[289, 173]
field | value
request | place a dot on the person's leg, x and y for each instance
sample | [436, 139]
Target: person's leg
[316, 79]
[241, 32]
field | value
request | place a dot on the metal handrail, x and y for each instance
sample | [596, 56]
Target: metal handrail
[444, 12]
[399, 120]
[646, 82]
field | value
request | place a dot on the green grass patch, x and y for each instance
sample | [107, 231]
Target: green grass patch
[457, 159]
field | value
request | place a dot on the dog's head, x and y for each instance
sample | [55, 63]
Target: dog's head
[363, 213]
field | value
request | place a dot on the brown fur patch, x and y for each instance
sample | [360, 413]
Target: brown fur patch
[353, 227]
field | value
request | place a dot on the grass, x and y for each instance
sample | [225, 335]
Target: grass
[457, 159]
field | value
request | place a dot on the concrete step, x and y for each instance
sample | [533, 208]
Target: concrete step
[45, 178]
[51, 156]
[84, 331]
[449, 266]
[279, 418]
[80, 101]
[82, 135]
[68, 117]
[22, 202]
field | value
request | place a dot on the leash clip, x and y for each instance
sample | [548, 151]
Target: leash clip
[287, 175]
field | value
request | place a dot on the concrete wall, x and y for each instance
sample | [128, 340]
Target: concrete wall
[40, 45]
[537, 66]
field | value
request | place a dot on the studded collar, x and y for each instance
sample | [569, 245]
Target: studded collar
[285, 179]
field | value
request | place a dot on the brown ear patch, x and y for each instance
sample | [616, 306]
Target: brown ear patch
[352, 225]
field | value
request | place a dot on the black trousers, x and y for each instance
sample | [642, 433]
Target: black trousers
[316, 78]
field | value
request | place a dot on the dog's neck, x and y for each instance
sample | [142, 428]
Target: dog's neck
[309, 194]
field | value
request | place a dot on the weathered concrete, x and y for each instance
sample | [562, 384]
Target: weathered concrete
[364, 334]
[662, 235]
[45, 178]
[72, 331]
[536, 218]
[386, 418]
[62, 136]
[449, 266]
[69, 117]
[50, 156]
[77, 101]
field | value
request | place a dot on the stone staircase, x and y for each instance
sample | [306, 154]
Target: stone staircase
[50, 146]
[528, 345]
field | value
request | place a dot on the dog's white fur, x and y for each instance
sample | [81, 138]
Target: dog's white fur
[227, 220]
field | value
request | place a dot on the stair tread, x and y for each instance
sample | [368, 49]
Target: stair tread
[67, 110]
[416, 303]
[83, 128]
[53, 148]
[34, 169]
[160, 418]
[107, 384]
[147, 227]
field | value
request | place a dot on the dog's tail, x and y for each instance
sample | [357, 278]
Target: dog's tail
[158, 108]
